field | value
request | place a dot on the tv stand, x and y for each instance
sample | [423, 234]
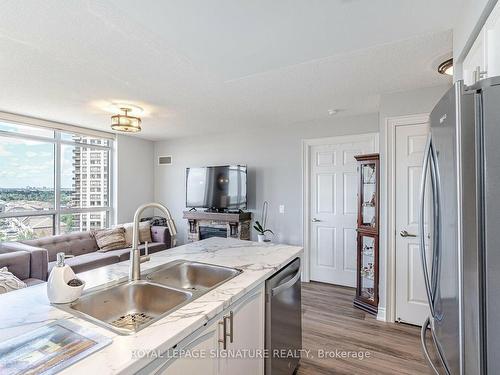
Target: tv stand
[205, 224]
[216, 210]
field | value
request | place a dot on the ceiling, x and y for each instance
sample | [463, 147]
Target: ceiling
[212, 66]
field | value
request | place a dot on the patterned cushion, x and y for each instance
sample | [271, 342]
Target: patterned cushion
[9, 282]
[144, 232]
[110, 239]
[156, 221]
[129, 228]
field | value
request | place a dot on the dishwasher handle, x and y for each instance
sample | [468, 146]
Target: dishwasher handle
[286, 285]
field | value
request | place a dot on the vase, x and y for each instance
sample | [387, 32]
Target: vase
[261, 237]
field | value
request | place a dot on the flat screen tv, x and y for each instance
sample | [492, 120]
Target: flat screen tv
[217, 188]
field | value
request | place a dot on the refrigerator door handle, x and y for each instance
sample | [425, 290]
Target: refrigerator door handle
[436, 202]
[421, 222]
[423, 332]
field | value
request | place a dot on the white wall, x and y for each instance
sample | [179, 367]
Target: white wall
[274, 159]
[134, 177]
[392, 105]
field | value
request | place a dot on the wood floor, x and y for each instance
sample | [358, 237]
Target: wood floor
[330, 322]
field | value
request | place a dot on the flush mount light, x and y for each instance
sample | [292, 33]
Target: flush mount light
[332, 112]
[446, 67]
[125, 122]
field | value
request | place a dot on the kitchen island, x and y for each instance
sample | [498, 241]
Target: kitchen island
[27, 309]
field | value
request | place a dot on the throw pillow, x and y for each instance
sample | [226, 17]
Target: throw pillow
[9, 282]
[129, 228]
[110, 239]
[144, 232]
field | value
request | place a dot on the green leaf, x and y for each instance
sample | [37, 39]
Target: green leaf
[268, 230]
[258, 229]
[259, 225]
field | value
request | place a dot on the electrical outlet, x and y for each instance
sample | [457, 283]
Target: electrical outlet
[282, 208]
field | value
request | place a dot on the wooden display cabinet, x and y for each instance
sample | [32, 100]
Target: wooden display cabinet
[367, 273]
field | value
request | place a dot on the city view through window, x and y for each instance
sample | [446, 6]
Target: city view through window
[52, 182]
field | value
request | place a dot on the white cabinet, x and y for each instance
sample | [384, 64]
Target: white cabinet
[205, 353]
[483, 60]
[492, 43]
[248, 338]
[197, 358]
[474, 65]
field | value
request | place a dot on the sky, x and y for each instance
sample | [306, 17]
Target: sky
[31, 163]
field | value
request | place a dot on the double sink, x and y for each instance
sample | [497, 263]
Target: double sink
[131, 306]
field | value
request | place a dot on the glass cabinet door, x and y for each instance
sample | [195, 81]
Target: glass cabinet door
[369, 195]
[367, 271]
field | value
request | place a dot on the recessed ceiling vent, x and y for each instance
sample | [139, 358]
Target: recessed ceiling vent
[164, 160]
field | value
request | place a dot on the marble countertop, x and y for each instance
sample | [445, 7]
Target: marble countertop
[27, 309]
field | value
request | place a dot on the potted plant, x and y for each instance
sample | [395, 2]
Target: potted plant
[261, 231]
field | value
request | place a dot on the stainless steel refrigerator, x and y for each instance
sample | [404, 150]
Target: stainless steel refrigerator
[461, 170]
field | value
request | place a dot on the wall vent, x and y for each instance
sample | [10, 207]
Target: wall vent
[164, 160]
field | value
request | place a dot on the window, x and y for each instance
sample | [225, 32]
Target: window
[83, 221]
[44, 178]
[26, 174]
[26, 227]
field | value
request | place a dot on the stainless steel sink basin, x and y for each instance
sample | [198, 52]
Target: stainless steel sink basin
[193, 276]
[129, 307]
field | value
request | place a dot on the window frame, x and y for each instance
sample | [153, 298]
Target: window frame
[57, 142]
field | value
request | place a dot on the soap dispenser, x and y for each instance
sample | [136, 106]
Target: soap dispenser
[63, 286]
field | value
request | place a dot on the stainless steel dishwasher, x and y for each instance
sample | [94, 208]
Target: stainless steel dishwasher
[283, 320]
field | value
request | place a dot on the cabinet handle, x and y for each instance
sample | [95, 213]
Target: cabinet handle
[231, 326]
[314, 220]
[223, 341]
[225, 334]
[479, 74]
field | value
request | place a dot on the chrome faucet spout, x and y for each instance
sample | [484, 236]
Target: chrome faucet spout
[135, 255]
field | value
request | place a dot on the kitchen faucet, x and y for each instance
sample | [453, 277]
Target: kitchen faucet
[135, 254]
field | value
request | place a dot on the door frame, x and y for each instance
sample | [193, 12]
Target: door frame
[389, 242]
[306, 173]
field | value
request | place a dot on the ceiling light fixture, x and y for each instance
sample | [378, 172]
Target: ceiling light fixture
[125, 122]
[446, 67]
[332, 112]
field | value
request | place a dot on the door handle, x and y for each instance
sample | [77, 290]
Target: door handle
[314, 220]
[405, 233]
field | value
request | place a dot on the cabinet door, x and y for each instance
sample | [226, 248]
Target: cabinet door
[205, 344]
[475, 60]
[248, 337]
[492, 43]
[368, 268]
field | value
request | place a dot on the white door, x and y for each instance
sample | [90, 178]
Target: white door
[333, 207]
[411, 298]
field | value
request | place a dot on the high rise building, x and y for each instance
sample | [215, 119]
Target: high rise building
[90, 184]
